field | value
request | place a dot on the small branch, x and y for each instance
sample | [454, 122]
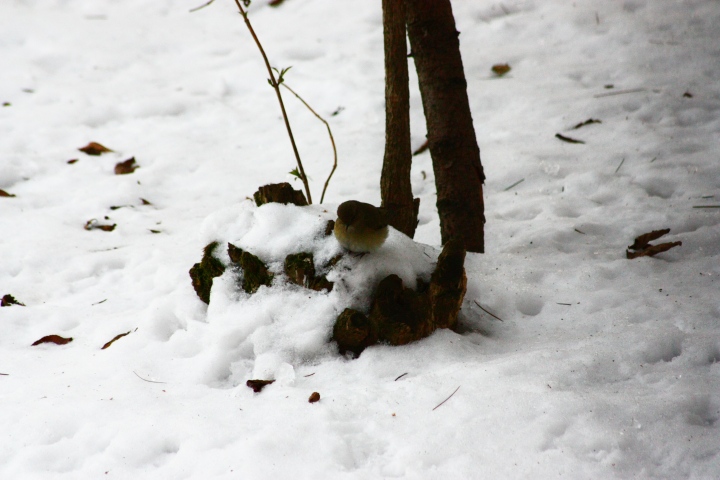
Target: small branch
[398, 378]
[566, 304]
[619, 92]
[201, 6]
[276, 86]
[448, 398]
[145, 379]
[706, 206]
[578, 231]
[514, 185]
[621, 164]
[332, 140]
[481, 308]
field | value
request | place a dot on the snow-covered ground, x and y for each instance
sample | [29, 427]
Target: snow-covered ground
[602, 367]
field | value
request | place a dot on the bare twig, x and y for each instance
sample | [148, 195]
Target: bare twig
[274, 83]
[706, 206]
[448, 398]
[332, 140]
[145, 379]
[481, 308]
[398, 378]
[514, 185]
[621, 164]
[201, 6]
[580, 232]
[618, 92]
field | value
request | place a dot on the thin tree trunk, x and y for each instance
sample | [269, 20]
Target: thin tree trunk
[451, 135]
[395, 188]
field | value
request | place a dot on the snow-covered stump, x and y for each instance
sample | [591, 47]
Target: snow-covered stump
[400, 315]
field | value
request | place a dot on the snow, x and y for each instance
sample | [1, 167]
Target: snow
[601, 367]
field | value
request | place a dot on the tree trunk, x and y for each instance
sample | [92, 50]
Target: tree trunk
[395, 189]
[451, 135]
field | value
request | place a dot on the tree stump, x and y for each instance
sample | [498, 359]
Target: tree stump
[279, 193]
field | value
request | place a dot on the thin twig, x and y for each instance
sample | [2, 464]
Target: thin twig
[448, 398]
[481, 308]
[201, 6]
[145, 379]
[566, 304]
[578, 231]
[398, 378]
[514, 185]
[332, 140]
[276, 86]
[706, 206]
[621, 164]
[310, 375]
[618, 92]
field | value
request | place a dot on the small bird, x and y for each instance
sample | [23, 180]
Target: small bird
[360, 227]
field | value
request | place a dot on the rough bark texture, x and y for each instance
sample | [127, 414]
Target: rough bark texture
[451, 135]
[254, 272]
[300, 270]
[395, 188]
[279, 193]
[202, 273]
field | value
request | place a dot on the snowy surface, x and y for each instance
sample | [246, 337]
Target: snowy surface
[602, 367]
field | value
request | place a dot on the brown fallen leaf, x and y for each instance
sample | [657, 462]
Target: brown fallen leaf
[128, 166]
[72, 160]
[643, 241]
[94, 148]
[8, 300]
[275, 3]
[258, 385]
[314, 397]
[589, 121]
[422, 148]
[567, 139]
[3, 193]
[117, 337]
[652, 250]
[56, 339]
[500, 69]
[145, 202]
[643, 248]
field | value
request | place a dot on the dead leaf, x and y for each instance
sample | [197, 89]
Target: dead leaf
[94, 148]
[3, 193]
[643, 241]
[643, 248]
[94, 225]
[72, 160]
[652, 250]
[500, 69]
[8, 300]
[589, 121]
[258, 385]
[275, 3]
[128, 166]
[145, 202]
[56, 339]
[422, 148]
[314, 397]
[117, 337]
[567, 139]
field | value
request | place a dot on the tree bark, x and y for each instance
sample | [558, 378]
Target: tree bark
[451, 136]
[395, 188]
